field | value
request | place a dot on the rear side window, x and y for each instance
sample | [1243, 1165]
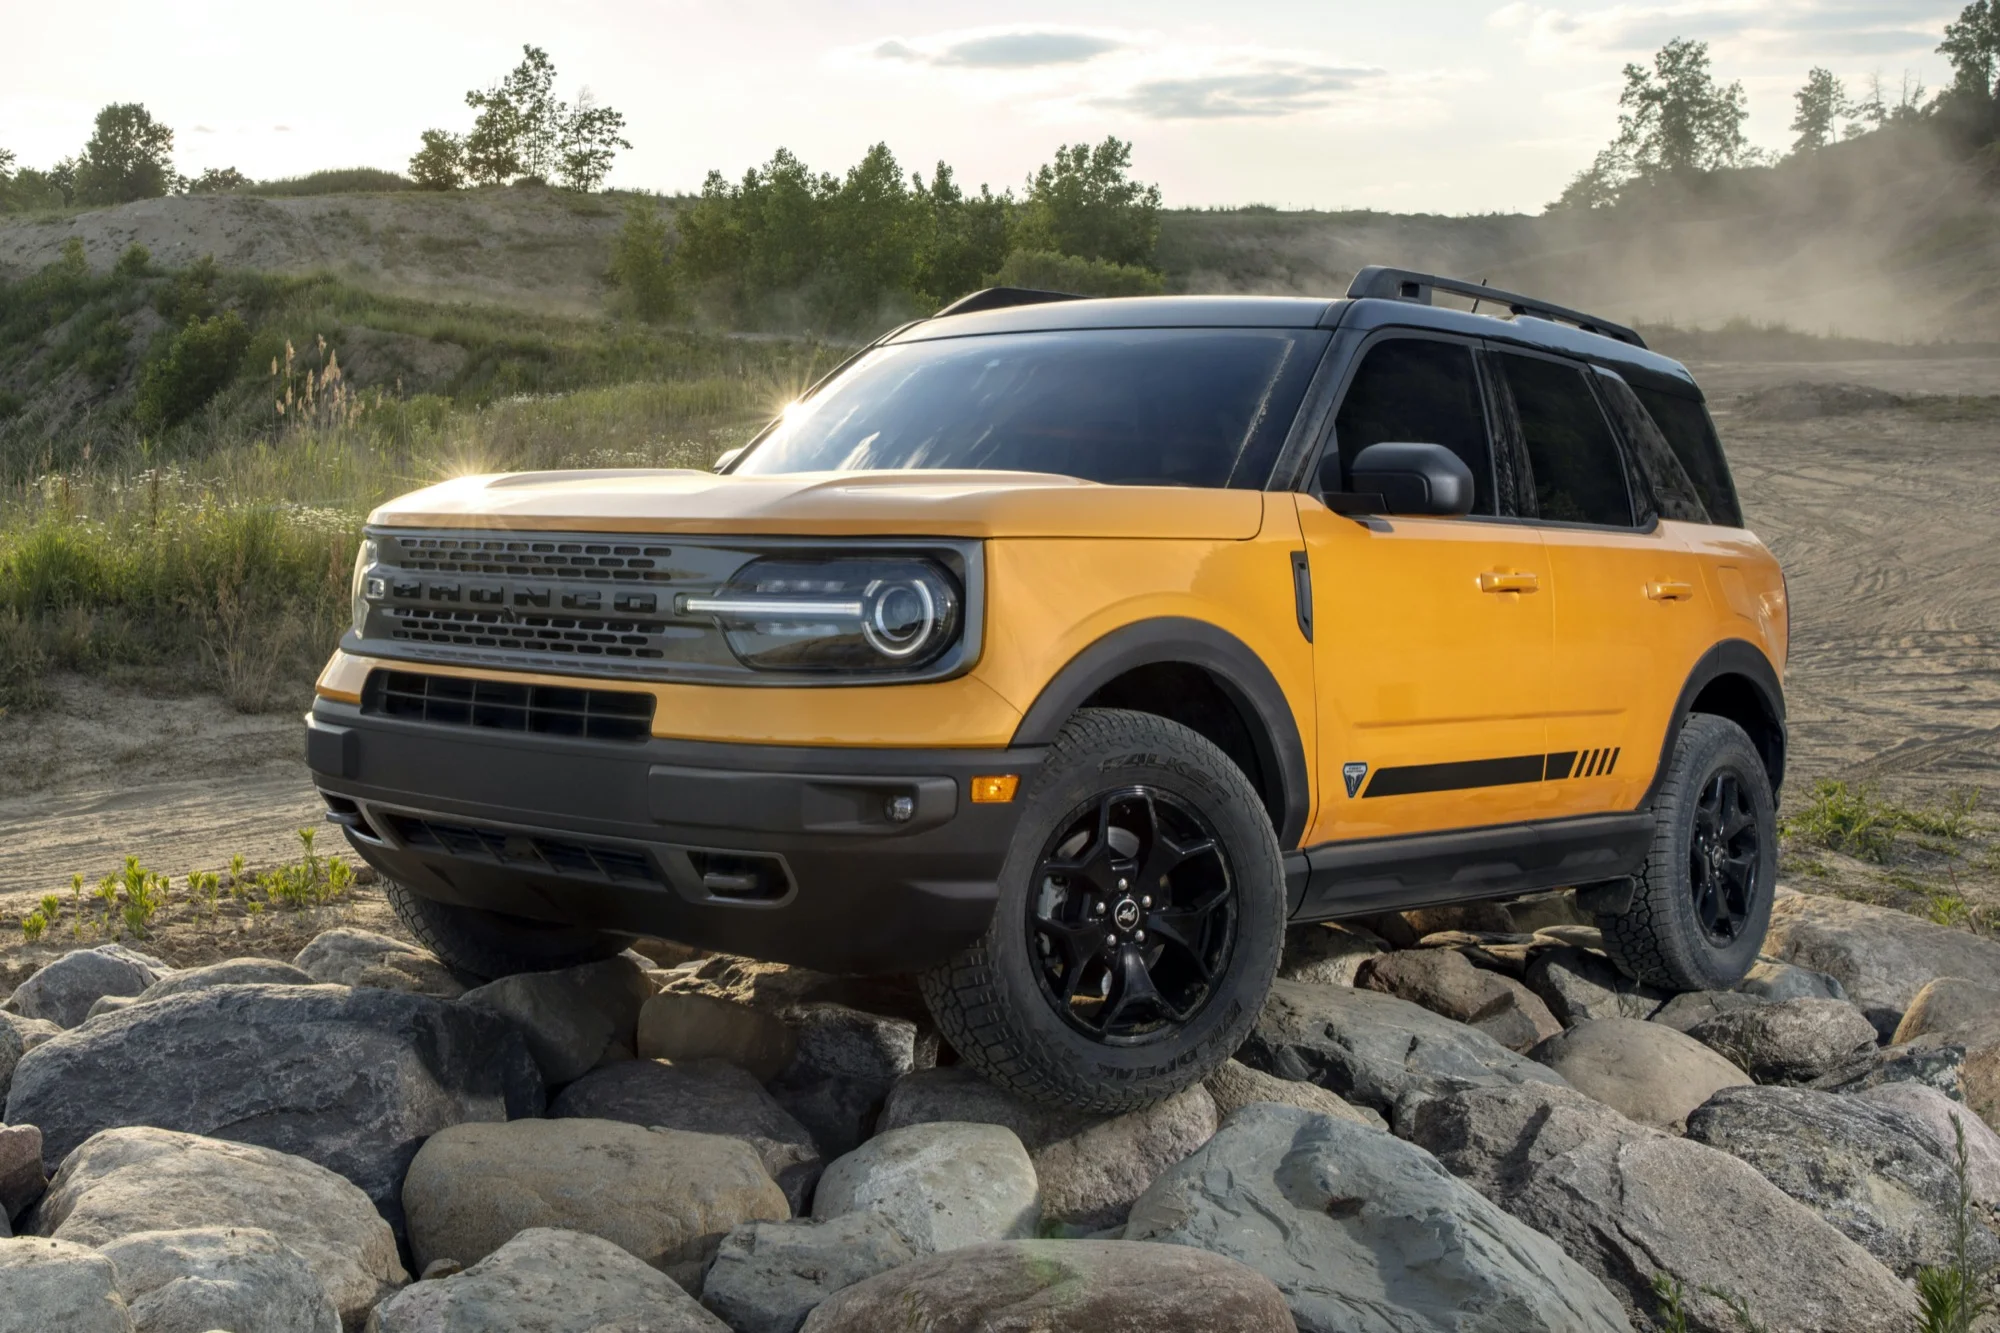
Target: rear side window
[1579, 474]
[1691, 435]
[1674, 492]
[1416, 391]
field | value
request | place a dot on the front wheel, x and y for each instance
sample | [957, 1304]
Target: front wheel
[489, 944]
[1139, 923]
[1703, 898]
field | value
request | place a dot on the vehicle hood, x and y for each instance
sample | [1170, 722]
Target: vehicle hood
[917, 503]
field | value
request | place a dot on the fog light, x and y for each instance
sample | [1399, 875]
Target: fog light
[995, 790]
[899, 809]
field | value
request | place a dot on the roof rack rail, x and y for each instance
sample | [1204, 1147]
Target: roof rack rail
[1001, 298]
[1397, 284]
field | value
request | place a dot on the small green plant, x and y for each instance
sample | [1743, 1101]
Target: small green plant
[202, 886]
[1846, 819]
[141, 894]
[51, 907]
[32, 926]
[1672, 1313]
[197, 363]
[1952, 821]
[1952, 1298]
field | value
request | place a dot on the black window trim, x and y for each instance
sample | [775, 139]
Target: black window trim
[1636, 489]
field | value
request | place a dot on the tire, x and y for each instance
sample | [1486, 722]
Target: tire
[489, 945]
[1697, 923]
[1047, 1003]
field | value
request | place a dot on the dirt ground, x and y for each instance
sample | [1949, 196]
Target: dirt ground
[1887, 520]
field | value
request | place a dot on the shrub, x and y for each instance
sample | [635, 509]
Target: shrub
[639, 263]
[340, 180]
[440, 163]
[1048, 271]
[218, 180]
[135, 262]
[200, 360]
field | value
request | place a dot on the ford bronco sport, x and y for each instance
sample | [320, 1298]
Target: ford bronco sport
[1063, 651]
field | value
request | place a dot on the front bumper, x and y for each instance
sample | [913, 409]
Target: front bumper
[783, 853]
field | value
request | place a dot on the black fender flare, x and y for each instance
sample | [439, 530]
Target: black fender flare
[1236, 669]
[1731, 657]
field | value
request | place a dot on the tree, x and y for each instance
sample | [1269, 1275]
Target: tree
[1084, 203]
[1822, 102]
[968, 236]
[1674, 119]
[128, 157]
[217, 180]
[440, 163]
[587, 141]
[639, 262]
[1972, 44]
[878, 230]
[1596, 186]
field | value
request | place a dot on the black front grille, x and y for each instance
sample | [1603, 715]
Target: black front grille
[549, 710]
[536, 634]
[568, 857]
[644, 562]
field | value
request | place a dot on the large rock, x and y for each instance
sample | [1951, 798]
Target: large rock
[218, 1278]
[1236, 1085]
[1376, 1050]
[353, 1079]
[1441, 980]
[1326, 955]
[1091, 1168]
[1880, 956]
[65, 988]
[1366, 1234]
[1524, 1025]
[350, 957]
[703, 1027]
[22, 1178]
[1946, 1005]
[1698, 1006]
[1937, 1119]
[548, 1281]
[52, 1286]
[18, 1036]
[1864, 1166]
[1651, 1073]
[127, 1181]
[1632, 1203]
[768, 1276]
[572, 1017]
[1109, 1285]
[230, 972]
[1930, 1061]
[942, 1186]
[665, 1196]
[1784, 981]
[845, 1062]
[1580, 985]
[1791, 1041]
[706, 1097]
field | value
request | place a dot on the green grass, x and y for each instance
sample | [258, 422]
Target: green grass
[1855, 820]
[341, 180]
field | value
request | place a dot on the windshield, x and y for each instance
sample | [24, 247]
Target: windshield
[1145, 407]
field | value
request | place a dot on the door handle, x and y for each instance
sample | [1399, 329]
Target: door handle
[1669, 590]
[1500, 580]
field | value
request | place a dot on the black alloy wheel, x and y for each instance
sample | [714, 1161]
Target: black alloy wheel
[1133, 916]
[1724, 858]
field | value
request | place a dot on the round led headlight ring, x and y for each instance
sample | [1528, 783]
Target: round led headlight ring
[899, 616]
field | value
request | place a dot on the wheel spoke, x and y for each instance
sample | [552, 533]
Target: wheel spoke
[1132, 987]
[1077, 945]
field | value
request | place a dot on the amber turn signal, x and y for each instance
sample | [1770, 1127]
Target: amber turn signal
[996, 790]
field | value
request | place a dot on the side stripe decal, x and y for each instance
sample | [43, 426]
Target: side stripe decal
[1465, 774]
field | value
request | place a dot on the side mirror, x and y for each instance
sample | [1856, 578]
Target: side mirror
[725, 458]
[1414, 479]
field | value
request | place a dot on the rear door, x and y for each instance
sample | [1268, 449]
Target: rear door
[1631, 613]
[1432, 637]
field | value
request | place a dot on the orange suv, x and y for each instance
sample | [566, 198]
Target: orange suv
[1063, 651]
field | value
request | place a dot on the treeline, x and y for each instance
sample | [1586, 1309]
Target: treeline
[788, 245]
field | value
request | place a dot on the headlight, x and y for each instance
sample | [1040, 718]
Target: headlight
[360, 592]
[891, 613]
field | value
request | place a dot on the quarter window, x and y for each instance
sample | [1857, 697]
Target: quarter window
[1579, 475]
[1418, 391]
[1691, 435]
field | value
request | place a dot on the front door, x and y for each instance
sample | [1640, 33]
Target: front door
[1432, 637]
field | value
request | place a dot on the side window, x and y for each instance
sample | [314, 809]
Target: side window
[1579, 474]
[1418, 391]
[1691, 435]
[1673, 490]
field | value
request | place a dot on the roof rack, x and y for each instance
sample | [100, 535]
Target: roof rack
[1397, 284]
[1001, 298]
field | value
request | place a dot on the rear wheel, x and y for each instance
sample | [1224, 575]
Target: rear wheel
[1703, 899]
[488, 944]
[1138, 926]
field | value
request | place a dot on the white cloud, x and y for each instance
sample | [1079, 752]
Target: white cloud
[1254, 86]
[1794, 30]
[988, 49]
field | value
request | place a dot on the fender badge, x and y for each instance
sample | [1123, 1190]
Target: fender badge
[1352, 775]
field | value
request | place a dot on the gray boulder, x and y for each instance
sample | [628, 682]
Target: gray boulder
[942, 1186]
[110, 1004]
[1947, 1005]
[1697, 1006]
[1880, 956]
[51, 1285]
[548, 1281]
[663, 1195]
[1024, 1286]
[353, 1079]
[1445, 982]
[1579, 985]
[1866, 1167]
[1366, 1234]
[1542, 911]
[218, 1278]
[1376, 1050]
[1786, 981]
[681, 1027]
[18, 1036]
[768, 1276]
[124, 1182]
[1650, 1073]
[1929, 1061]
[1791, 1041]
[347, 956]
[231, 972]
[65, 988]
[1631, 1203]
[705, 1097]
[1091, 1168]
[22, 1178]
[572, 1017]
[846, 1061]
[1236, 1085]
[1936, 1118]
[1327, 955]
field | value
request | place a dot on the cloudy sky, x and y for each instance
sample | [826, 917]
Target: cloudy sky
[1456, 106]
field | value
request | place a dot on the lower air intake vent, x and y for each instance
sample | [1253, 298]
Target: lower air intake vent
[551, 710]
[531, 851]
